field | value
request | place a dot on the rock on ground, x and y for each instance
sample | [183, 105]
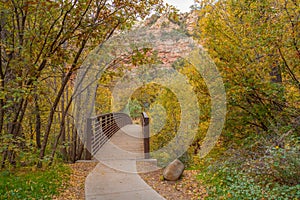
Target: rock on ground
[174, 170]
[188, 187]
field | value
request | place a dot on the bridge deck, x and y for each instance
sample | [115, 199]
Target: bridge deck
[115, 177]
[126, 143]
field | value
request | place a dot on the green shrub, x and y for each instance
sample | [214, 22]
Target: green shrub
[282, 165]
[229, 183]
[29, 184]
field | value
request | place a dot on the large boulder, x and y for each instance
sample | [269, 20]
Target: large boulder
[174, 170]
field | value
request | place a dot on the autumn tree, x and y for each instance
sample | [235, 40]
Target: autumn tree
[43, 43]
[256, 46]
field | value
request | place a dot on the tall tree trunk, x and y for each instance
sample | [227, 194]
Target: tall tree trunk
[68, 128]
[37, 122]
[56, 102]
[74, 143]
[15, 129]
[63, 123]
[2, 76]
[80, 149]
[62, 131]
[276, 78]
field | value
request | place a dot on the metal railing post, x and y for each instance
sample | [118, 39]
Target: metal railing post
[146, 133]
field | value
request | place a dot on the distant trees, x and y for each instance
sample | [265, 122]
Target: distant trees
[42, 45]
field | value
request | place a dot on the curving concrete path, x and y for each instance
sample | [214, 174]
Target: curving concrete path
[116, 176]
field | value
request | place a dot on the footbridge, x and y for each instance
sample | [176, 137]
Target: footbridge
[122, 149]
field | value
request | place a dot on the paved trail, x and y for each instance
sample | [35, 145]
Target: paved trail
[115, 177]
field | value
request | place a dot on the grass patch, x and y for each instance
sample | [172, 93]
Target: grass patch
[26, 183]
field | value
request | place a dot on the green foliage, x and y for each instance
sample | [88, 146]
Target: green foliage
[246, 40]
[42, 45]
[269, 172]
[255, 47]
[279, 164]
[29, 184]
[230, 183]
[227, 183]
[158, 116]
[135, 109]
[103, 101]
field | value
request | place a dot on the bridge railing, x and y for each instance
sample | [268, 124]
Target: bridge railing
[101, 128]
[146, 134]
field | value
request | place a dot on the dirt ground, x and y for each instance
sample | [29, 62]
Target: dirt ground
[186, 188]
[74, 188]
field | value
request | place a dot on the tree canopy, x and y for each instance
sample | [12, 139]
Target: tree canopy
[43, 43]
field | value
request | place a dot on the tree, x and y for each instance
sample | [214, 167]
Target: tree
[41, 40]
[256, 46]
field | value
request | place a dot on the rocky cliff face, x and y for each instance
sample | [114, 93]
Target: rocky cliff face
[169, 39]
[173, 39]
[185, 22]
